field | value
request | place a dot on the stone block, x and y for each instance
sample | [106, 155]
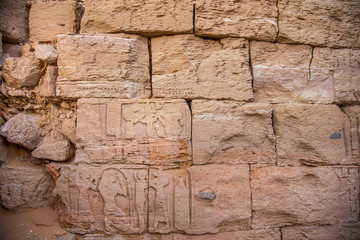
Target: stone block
[24, 185]
[304, 196]
[200, 199]
[47, 85]
[14, 16]
[106, 198]
[115, 65]
[334, 232]
[133, 131]
[49, 19]
[233, 18]
[232, 133]
[185, 66]
[312, 134]
[353, 112]
[46, 53]
[151, 17]
[320, 23]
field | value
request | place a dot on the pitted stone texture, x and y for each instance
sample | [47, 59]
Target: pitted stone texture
[233, 18]
[146, 17]
[185, 66]
[133, 131]
[231, 132]
[353, 112]
[281, 73]
[24, 185]
[115, 65]
[345, 231]
[14, 20]
[49, 19]
[23, 72]
[46, 53]
[109, 199]
[304, 196]
[312, 134]
[175, 207]
[340, 67]
[23, 129]
[320, 22]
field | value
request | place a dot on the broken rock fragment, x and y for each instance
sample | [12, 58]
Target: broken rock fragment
[46, 53]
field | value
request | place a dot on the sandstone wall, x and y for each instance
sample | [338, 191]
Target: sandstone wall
[171, 120]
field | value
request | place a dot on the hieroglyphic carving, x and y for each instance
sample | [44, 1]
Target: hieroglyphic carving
[109, 199]
[175, 205]
[133, 131]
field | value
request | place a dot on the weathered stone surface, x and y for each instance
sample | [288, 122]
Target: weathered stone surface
[185, 66]
[340, 68]
[335, 232]
[68, 128]
[110, 199]
[353, 112]
[47, 85]
[231, 132]
[151, 17]
[23, 72]
[133, 131]
[14, 20]
[10, 152]
[49, 19]
[245, 18]
[24, 185]
[281, 71]
[23, 129]
[312, 134]
[304, 196]
[320, 23]
[115, 65]
[54, 147]
[46, 53]
[175, 207]
[10, 50]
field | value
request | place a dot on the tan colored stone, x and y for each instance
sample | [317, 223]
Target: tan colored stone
[115, 65]
[10, 50]
[68, 129]
[233, 18]
[23, 72]
[339, 68]
[23, 129]
[320, 22]
[54, 147]
[24, 185]
[185, 66]
[231, 132]
[46, 53]
[335, 232]
[14, 20]
[312, 134]
[353, 112]
[304, 196]
[133, 131]
[49, 19]
[151, 17]
[200, 199]
[109, 199]
[47, 85]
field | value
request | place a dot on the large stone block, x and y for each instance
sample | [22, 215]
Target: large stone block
[103, 66]
[14, 16]
[151, 17]
[304, 196]
[312, 134]
[185, 66]
[200, 199]
[231, 132]
[353, 112]
[340, 68]
[320, 23]
[133, 131]
[24, 185]
[49, 19]
[110, 199]
[334, 232]
[245, 18]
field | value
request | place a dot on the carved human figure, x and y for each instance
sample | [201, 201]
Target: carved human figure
[160, 211]
[112, 184]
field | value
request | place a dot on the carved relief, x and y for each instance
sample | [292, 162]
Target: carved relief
[110, 199]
